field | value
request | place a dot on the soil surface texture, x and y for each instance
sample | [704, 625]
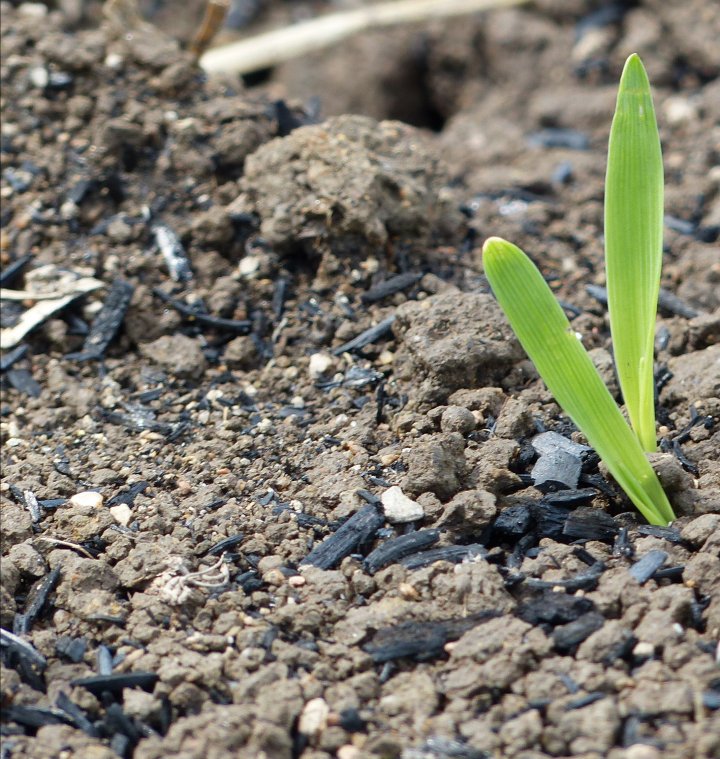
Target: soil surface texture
[271, 483]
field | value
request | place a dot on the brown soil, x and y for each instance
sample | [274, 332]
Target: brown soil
[259, 430]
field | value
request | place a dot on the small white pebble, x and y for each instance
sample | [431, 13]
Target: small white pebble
[313, 719]
[296, 581]
[399, 508]
[319, 364]
[644, 650]
[121, 514]
[39, 77]
[88, 498]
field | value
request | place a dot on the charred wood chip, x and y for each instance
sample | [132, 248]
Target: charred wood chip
[667, 301]
[670, 573]
[513, 522]
[139, 419]
[453, 554]
[23, 381]
[548, 442]
[671, 534]
[585, 581]
[104, 660]
[622, 545]
[249, 581]
[37, 599]
[586, 700]
[76, 715]
[107, 322]
[117, 723]
[566, 637]
[711, 698]
[420, 640]
[351, 721]
[553, 608]
[114, 684]
[71, 648]
[587, 523]
[390, 286]
[367, 337]
[226, 544]
[438, 747]
[550, 521]
[358, 529]
[397, 548]
[559, 138]
[12, 644]
[556, 469]
[35, 716]
[239, 326]
[12, 270]
[648, 565]
[128, 497]
[279, 297]
[13, 356]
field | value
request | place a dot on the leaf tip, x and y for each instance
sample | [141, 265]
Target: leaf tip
[634, 76]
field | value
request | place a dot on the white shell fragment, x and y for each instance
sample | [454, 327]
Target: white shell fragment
[86, 499]
[399, 508]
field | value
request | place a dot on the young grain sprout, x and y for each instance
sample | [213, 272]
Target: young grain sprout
[633, 258]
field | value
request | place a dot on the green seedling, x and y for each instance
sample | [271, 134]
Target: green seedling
[633, 229]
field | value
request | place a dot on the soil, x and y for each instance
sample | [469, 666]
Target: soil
[219, 588]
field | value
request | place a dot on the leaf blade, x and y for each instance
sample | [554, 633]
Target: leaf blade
[633, 243]
[565, 366]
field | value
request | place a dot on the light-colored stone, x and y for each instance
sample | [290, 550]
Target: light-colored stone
[87, 499]
[399, 508]
[122, 514]
[313, 719]
[320, 363]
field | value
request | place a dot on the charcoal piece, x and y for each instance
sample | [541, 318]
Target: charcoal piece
[13, 356]
[35, 716]
[249, 581]
[128, 496]
[279, 297]
[12, 270]
[99, 684]
[21, 648]
[555, 469]
[681, 226]
[566, 637]
[667, 301]
[351, 721]
[708, 234]
[513, 522]
[173, 252]
[643, 569]
[358, 529]
[453, 554]
[547, 442]
[585, 581]
[27, 499]
[390, 286]
[559, 138]
[71, 648]
[438, 747]
[76, 715]
[367, 337]
[569, 498]
[550, 520]
[106, 323]
[139, 419]
[622, 545]
[554, 608]
[587, 523]
[670, 573]
[117, 723]
[225, 544]
[420, 640]
[606, 15]
[673, 305]
[238, 326]
[397, 548]
[711, 699]
[679, 454]
[36, 601]
[586, 700]
[104, 660]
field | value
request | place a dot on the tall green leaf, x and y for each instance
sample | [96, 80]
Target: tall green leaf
[633, 244]
[551, 343]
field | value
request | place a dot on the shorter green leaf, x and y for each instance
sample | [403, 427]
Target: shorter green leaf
[563, 363]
